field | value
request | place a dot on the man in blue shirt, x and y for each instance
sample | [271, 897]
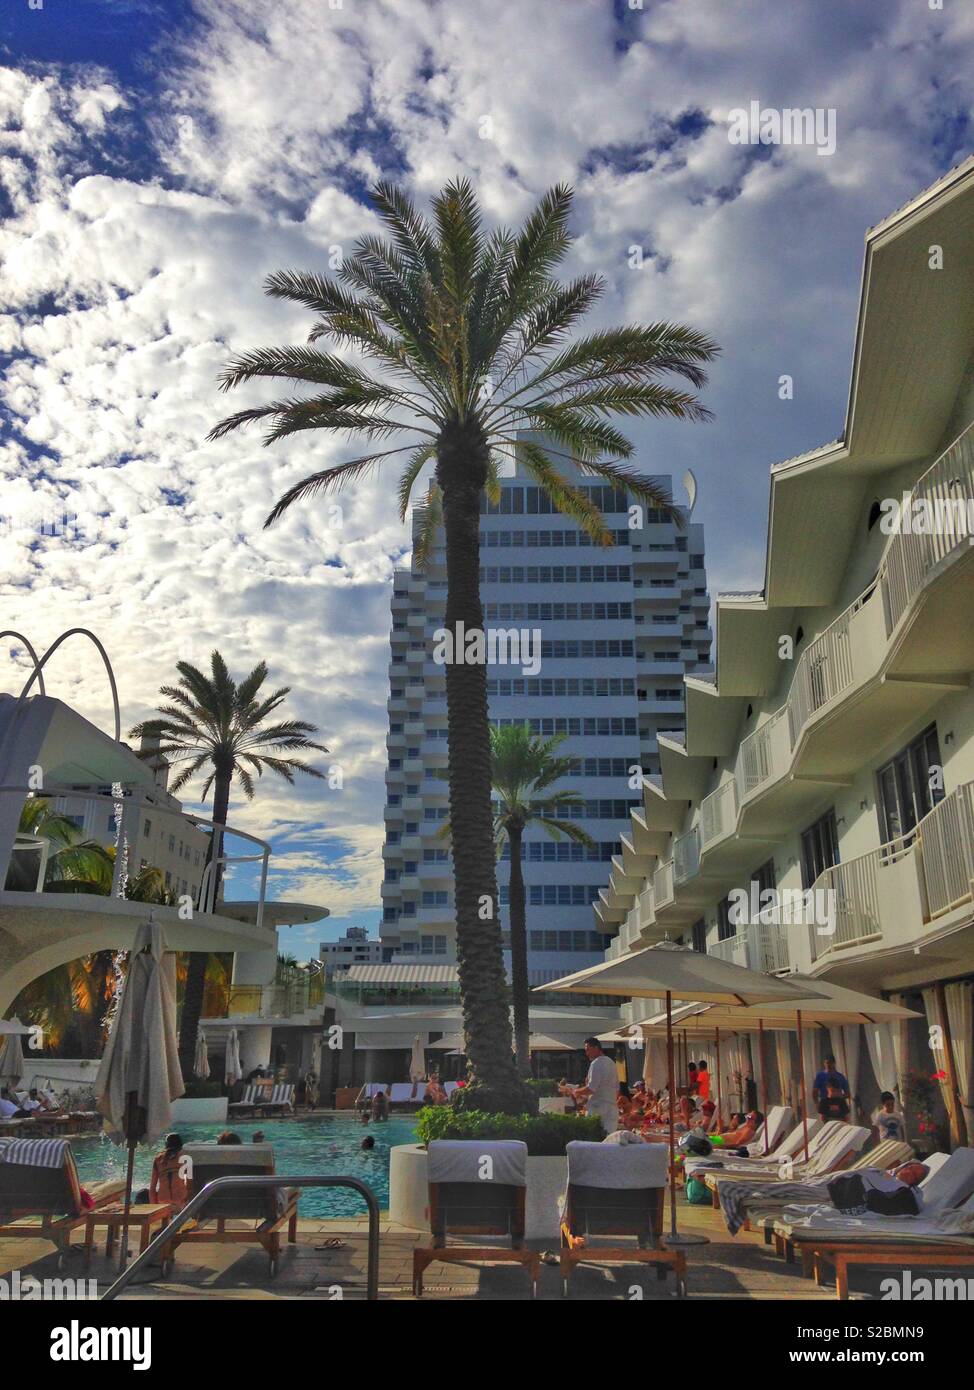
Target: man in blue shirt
[827, 1077]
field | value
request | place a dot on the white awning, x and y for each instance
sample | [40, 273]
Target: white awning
[401, 975]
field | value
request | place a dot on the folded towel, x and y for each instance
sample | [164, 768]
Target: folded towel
[34, 1153]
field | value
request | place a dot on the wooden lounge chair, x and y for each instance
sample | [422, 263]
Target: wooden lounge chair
[278, 1101]
[476, 1187]
[836, 1149]
[246, 1105]
[259, 1213]
[40, 1194]
[617, 1190]
[407, 1093]
[890, 1153]
[791, 1147]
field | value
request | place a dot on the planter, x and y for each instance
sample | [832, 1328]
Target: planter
[409, 1191]
[200, 1110]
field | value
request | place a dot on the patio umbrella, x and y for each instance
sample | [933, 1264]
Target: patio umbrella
[417, 1060]
[201, 1062]
[678, 973]
[139, 1075]
[450, 1042]
[820, 1003]
[232, 1071]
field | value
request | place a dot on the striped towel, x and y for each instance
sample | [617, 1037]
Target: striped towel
[34, 1153]
[282, 1094]
[735, 1197]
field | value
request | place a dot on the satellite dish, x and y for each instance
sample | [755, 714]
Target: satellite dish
[690, 483]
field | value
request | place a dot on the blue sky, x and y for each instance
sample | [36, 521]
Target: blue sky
[159, 159]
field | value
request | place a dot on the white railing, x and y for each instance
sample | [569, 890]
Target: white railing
[663, 885]
[931, 530]
[760, 946]
[946, 844]
[718, 814]
[733, 949]
[34, 851]
[855, 902]
[647, 909]
[755, 759]
[824, 670]
[686, 856]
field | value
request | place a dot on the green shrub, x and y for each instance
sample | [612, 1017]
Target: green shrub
[545, 1087]
[545, 1135]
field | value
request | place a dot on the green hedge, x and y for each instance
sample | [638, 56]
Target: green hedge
[546, 1087]
[545, 1135]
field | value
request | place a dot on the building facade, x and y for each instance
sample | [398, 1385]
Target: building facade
[818, 816]
[607, 634]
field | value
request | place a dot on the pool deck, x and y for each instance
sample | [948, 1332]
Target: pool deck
[727, 1269]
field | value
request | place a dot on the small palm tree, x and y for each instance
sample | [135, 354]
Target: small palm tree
[469, 330]
[222, 729]
[74, 864]
[523, 771]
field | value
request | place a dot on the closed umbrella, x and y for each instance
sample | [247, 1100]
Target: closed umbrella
[139, 1076]
[678, 973]
[232, 1071]
[417, 1060]
[11, 1052]
[201, 1062]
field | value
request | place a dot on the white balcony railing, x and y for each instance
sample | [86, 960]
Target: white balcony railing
[869, 896]
[686, 856]
[718, 814]
[761, 946]
[663, 886]
[939, 523]
[824, 671]
[756, 763]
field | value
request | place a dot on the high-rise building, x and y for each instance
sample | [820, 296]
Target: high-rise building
[607, 634]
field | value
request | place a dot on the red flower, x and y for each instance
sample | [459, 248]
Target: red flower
[939, 1076]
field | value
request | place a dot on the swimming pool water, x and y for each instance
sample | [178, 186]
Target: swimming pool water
[328, 1145]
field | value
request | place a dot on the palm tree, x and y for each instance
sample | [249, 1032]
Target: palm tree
[523, 767]
[469, 330]
[74, 864]
[223, 729]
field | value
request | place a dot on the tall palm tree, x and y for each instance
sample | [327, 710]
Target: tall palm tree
[74, 864]
[222, 729]
[523, 768]
[469, 331]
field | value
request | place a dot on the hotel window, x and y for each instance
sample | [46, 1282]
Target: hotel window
[172, 844]
[147, 828]
[699, 932]
[820, 848]
[725, 927]
[907, 790]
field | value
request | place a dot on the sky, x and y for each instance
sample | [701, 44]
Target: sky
[158, 160]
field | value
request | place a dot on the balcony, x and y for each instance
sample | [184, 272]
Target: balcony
[663, 886]
[718, 815]
[288, 999]
[761, 946]
[686, 856]
[886, 897]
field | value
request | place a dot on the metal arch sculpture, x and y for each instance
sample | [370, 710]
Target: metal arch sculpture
[10, 632]
[37, 673]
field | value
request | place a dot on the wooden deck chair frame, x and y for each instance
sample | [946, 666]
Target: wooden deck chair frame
[239, 1206]
[634, 1212]
[878, 1254]
[484, 1219]
[43, 1216]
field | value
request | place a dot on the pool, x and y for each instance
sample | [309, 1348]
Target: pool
[326, 1145]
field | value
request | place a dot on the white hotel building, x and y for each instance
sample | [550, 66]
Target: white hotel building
[619, 627]
[834, 747]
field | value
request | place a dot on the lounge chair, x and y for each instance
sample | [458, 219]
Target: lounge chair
[450, 1087]
[246, 1103]
[260, 1213]
[469, 1196]
[792, 1144]
[278, 1101]
[617, 1190]
[779, 1118]
[404, 1093]
[837, 1147]
[40, 1193]
[370, 1089]
[740, 1200]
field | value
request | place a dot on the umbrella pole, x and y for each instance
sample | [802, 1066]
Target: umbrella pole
[720, 1098]
[801, 1080]
[129, 1133]
[675, 1238]
[764, 1082]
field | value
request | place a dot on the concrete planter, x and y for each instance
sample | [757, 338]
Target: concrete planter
[200, 1110]
[409, 1191]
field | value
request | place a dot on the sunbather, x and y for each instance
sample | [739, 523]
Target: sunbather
[744, 1133]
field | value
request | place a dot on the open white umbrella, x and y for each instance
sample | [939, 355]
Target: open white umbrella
[417, 1060]
[678, 973]
[201, 1062]
[139, 1076]
[232, 1071]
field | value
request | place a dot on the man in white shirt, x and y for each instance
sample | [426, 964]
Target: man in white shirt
[601, 1089]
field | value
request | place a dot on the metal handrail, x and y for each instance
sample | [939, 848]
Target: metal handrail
[272, 1180]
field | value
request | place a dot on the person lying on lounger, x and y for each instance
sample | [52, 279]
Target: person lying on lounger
[8, 1106]
[745, 1132]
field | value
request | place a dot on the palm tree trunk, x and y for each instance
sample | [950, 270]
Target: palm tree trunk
[519, 957]
[195, 987]
[461, 473]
